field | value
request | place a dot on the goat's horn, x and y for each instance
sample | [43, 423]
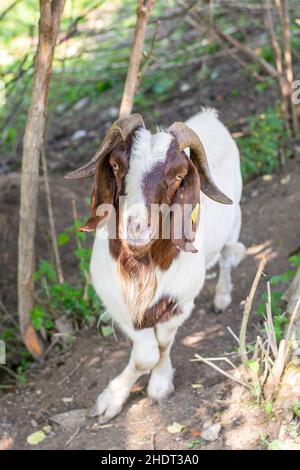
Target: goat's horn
[186, 137]
[118, 132]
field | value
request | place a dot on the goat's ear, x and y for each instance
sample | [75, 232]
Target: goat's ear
[185, 222]
[103, 192]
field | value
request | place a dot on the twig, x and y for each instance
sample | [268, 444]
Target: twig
[68, 376]
[287, 55]
[233, 334]
[270, 324]
[288, 335]
[75, 434]
[153, 441]
[7, 313]
[247, 309]
[58, 264]
[149, 55]
[211, 364]
[8, 9]
[143, 13]
[276, 371]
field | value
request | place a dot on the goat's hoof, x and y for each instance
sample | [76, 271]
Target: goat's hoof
[108, 405]
[159, 388]
[221, 302]
[217, 311]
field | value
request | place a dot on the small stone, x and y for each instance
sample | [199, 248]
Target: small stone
[79, 134]
[81, 104]
[267, 177]
[67, 399]
[184, 87]
[71, 419]
[6, 443]
[211, 433]
[286, 179]
[34, 424]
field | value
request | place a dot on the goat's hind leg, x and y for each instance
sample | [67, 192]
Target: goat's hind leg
[231, 255]
[144, 356]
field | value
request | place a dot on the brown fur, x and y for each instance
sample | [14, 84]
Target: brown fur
[161, 312]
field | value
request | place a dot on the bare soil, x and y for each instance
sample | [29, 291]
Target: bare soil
[270, 222]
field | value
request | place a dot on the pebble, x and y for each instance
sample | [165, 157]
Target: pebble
[211, 433]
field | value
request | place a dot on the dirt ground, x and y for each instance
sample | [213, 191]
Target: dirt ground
[71, 382]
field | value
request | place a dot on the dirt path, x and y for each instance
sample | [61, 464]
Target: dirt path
[271, 219]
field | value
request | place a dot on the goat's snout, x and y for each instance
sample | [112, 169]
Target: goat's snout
[138, 231]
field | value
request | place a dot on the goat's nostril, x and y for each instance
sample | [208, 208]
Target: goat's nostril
[138, 227]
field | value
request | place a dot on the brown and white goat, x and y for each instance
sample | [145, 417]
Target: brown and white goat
[149, 281]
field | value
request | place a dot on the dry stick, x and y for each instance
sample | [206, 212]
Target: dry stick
[68, 376]
[288, 335]
[268, 68]
[270, 324]
[276, 371]
[72, 437]
[282, 81]
[58, 264]
[149, 55]
[143, 13]
[287, 55]
[8, 9]
[211, 364]
[246, 314]
[50, 14]
[153, 440]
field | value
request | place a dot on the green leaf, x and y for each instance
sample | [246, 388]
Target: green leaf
[268, 407]
[35, 438]
[106, 330]
[175, 428]
[253, 365]
[63, 238]
[296, 409]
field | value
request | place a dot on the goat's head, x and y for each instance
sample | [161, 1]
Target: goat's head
[153, 174]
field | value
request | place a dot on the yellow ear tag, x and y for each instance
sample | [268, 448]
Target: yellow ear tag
[195, 213]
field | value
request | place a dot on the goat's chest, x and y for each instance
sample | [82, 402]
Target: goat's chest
[167, 293]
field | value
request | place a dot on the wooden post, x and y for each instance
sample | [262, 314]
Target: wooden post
[50, 15]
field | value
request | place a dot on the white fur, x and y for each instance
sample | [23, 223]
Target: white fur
[216, 239]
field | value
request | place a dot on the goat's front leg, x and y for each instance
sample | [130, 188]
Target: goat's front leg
[144, 356]
[161, 380]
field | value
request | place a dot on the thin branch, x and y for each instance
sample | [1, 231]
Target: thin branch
[247, 310]
[211, 364]
[143, 13]
[8, 9]
[57, 259]
[149, 55]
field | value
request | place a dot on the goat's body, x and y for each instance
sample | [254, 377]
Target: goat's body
[216, 240]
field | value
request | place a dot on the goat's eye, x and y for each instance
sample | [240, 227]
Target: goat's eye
[179, 177]
[115, 166]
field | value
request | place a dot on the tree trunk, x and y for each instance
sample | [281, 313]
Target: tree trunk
[50, 15]
[132, 79]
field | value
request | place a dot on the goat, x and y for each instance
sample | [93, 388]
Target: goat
[148, 283]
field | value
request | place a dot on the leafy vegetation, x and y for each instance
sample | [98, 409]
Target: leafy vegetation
[78, 304]
[260, 147]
